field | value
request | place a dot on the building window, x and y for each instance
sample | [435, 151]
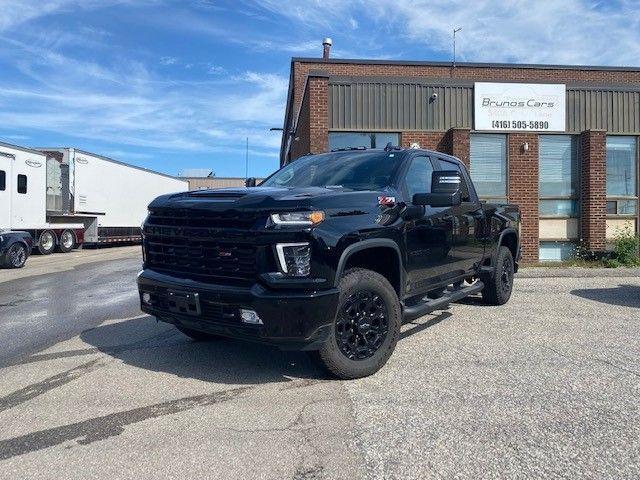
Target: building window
[22, 184]
[556, 251]
[621, 176]
[362, 139]
[558, 176]
[3, 180]
[488, 157]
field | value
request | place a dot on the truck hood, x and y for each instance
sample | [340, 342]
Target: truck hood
[270, 198]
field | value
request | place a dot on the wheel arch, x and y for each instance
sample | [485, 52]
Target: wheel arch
[507, 238]
[362, 254]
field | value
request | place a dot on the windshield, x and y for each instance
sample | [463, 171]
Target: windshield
[356, 171]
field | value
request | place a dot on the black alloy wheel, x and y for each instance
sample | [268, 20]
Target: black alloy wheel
[362, 325]
[499, 285]
[16, 255]
[506, 275]
[366, 328]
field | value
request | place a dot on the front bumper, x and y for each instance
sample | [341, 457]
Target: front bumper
[292, 319]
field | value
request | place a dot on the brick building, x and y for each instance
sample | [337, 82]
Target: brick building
[571, 163]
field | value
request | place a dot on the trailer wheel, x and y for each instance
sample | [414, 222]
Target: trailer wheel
[46, 242]
[67, 241]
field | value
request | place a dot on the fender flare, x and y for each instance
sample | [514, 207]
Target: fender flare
[12, 242]
[365, 245]
[506, 231]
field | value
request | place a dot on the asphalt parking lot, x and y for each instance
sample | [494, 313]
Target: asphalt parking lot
[546, 386]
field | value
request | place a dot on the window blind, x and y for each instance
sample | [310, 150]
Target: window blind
[488, 156]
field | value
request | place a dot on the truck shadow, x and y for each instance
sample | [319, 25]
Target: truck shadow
[622, 295]
[161, 348]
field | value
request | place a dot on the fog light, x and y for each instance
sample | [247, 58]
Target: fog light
[146, 298]
[250, 316]
[294, 258]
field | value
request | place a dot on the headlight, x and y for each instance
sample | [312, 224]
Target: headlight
[294, 258]
[297, 218]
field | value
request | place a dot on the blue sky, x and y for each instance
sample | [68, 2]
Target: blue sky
[173, 84]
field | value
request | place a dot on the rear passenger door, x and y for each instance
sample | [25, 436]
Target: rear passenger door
[468, 222]
[429, 243]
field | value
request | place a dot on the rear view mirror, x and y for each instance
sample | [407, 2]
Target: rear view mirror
[250, 182]
[445, 190]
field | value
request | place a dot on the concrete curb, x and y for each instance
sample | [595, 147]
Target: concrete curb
[577, 272]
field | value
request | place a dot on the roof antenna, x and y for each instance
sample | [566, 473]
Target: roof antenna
[455, 30]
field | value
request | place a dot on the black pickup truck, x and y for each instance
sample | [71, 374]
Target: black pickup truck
[329, 254]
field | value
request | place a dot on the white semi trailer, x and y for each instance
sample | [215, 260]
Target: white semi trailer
[65, 197]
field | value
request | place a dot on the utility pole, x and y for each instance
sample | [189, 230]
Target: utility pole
[455, 30]
[246, 161]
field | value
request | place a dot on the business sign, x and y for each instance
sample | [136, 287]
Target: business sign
[530, 107]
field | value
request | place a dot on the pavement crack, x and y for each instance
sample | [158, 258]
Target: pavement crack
[594, 359]
[32, 391]
[100, 428]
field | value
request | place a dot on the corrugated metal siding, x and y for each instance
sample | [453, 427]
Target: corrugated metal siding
[407, 106]
[614, 111]
[398, 106]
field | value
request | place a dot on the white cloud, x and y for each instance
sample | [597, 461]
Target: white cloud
[216, 70]
[16, 12]
[546, 31]
[127, 104]
[168, 61]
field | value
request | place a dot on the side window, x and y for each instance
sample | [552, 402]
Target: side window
[464, 189]
[418, 178]
[22, 184]
[3, 180]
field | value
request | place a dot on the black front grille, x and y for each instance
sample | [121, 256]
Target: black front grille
[203, 246]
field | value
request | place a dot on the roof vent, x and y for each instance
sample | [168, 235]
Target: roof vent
[326, 48]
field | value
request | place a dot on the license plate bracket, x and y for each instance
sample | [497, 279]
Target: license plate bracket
[184, 303]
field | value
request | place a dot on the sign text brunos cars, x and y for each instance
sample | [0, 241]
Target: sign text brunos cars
[519, 106]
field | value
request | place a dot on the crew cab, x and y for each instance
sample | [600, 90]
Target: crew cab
[330, 254]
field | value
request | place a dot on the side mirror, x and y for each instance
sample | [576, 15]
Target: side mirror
[445, 190]
[250, 182]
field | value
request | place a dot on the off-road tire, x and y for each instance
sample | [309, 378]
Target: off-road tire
[197, 335]
[499, 285]
[354, 282]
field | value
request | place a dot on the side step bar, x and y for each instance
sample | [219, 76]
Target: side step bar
[449, 296]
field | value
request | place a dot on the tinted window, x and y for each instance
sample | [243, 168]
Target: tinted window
[488, 156]
[447, 165]
[362, 139]
[3, 180]
[419, 176]
[22, 184]
[352, 170]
